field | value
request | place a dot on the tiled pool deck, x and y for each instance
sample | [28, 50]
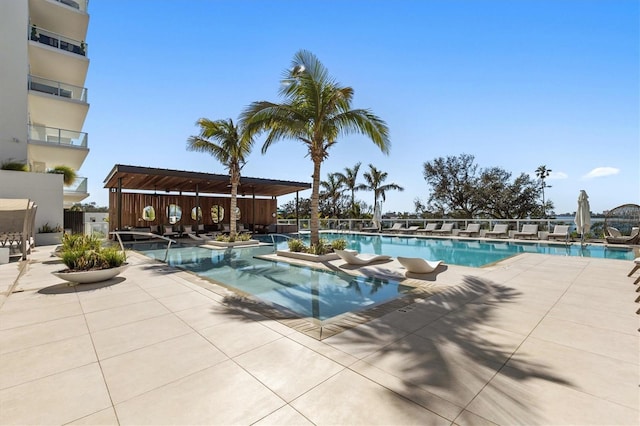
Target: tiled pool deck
[536, 339]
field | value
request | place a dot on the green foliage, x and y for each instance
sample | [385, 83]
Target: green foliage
[233, 238]
[297, 246]
[339, 244]
[320, 248]
[46, 229]
[81, 252]
[15, 166]
[69, 175]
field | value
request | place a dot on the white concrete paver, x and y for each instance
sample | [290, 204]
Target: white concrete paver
[533, 340]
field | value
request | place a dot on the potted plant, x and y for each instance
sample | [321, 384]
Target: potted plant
[320, 252]
[68, 174]
[87, 261]
[48, 235]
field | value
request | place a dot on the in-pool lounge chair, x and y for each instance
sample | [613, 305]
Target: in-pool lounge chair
[417, 265]
[472, 229]
[499, 230]
[397, 227]
[447, 229]
[560, 232]
[614, 236]
[431, 226]
[360, 259]
[528, 231]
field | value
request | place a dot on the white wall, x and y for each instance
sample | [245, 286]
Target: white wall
[46, 189]
[14, 68]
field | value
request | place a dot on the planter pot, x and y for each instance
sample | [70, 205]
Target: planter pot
[48, 238]
[233, 244]
[308, 256]
[86, 277]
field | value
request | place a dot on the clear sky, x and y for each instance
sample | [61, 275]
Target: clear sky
[517, 84]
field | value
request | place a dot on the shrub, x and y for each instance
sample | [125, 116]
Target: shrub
[339, 244]
[45, 229]
[320, 248]
[85, 252]
[69, 175]
[15, 166]
[297, 246]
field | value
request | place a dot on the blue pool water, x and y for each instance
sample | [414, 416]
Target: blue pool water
[305, 291]
[475, 253]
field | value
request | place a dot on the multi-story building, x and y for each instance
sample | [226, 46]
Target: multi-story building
[43, 98]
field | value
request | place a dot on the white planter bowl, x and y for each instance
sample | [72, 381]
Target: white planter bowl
[86, 277]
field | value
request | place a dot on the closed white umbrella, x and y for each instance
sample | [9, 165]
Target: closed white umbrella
[583, 214]
[377, 216]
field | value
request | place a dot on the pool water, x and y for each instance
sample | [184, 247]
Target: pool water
[474, 253]
[305, 291]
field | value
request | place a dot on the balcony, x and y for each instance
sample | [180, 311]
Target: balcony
[57, 104]
[49, 147]
[57, 58]
[76, 192]
[51, 135]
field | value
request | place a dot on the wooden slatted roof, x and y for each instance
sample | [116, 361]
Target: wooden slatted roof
[152, 179]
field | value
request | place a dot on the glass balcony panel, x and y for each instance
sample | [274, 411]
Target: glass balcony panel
[58, 41]
[58, 136]
[76, 4]
[57, 88]
[80, 185]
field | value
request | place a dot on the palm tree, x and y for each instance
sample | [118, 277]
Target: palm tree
[374, 179]
[542, 173]
[349, 178]
[225, 142]
[316, 111]
[333, 190]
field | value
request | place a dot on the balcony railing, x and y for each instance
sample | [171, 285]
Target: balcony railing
[78, 186]
[57, 136]
[57, 88]
[58, 41]
[76, 4]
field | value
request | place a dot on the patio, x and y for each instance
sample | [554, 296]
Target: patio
[535, 339]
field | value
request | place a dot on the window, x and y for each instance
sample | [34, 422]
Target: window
[149, 214]
[217, 213]
[174, 213]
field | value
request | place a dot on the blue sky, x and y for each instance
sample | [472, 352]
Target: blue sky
[517, 84]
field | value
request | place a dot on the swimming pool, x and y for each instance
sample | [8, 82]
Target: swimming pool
[306, 292]
[474, 253]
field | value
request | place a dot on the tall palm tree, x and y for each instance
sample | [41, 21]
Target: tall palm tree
[316, 111]
[349, 179]
[333, 190]
[375, 179]
[542, 173]
[225, 142]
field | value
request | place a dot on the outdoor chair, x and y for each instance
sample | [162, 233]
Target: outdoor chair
[472, 229]
[360, 259]
[560, 232]
[167, 231]
[396, 227]
[615, 236]
[499, 230]
[528, 231]
[431, 226]
[417, 265]
[410, 230]
[446, 229]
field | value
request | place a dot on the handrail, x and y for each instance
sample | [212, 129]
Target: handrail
[273, 240]
[146, 234]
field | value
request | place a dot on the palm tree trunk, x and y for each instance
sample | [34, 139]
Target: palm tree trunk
[234, 202]
[315, 196]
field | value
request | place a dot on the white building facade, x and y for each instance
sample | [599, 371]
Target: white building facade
[43, 102]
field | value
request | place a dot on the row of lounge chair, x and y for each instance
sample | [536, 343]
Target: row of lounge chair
[529, 231]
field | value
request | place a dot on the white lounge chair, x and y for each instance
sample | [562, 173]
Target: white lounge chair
[446, 229]
[472, 228]
[410, 230]
[499, 230]
[560, 232]
[397, 227]
[431, 226]
[417, 265]
[360, 259]
[528, 231]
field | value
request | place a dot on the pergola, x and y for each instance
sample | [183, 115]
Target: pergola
[147, 179]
